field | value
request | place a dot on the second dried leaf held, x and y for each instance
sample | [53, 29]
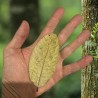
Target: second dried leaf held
[44, 59]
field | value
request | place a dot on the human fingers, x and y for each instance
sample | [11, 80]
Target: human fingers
[69, 49]
[20, 36]
[68, 69]
[69, 28]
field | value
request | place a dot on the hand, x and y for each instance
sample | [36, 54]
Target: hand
[16, 59]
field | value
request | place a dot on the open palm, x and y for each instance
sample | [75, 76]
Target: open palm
[16, 59]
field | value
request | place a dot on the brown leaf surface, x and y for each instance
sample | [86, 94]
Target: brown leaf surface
[44, 59]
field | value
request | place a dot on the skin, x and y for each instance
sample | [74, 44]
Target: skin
[16, 59]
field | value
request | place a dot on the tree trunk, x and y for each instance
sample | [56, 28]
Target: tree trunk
[25, 10]
[89, 75]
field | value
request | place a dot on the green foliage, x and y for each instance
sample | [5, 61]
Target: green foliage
[1, 63]
[4, 21]
[95, 28]
[94, 32]
[92, 43]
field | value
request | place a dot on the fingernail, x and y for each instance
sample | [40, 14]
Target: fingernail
[89, 58]
[87, 33]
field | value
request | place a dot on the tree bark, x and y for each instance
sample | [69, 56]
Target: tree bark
[25, 10]
[89, 75]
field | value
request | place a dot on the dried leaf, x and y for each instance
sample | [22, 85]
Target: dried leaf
[44, 59]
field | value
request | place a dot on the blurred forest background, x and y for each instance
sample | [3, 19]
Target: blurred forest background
[37, 13]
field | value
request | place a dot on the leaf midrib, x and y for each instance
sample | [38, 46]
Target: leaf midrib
[43, 65]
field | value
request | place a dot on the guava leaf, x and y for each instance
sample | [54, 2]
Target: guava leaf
[43, 60]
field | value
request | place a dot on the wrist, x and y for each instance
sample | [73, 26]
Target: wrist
[18, 90]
